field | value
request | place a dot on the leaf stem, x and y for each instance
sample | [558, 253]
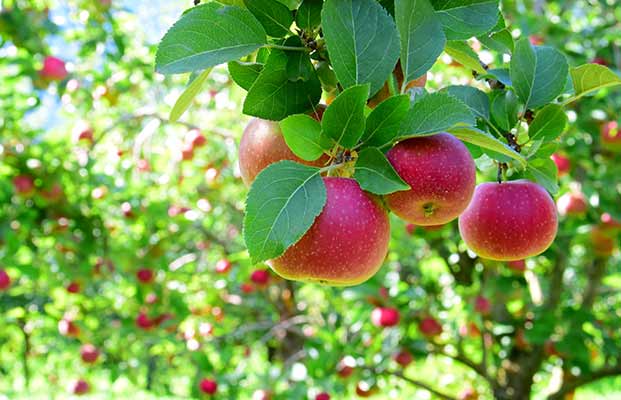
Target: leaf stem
[289, 48]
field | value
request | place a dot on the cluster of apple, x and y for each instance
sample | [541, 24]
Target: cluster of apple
[348, 241]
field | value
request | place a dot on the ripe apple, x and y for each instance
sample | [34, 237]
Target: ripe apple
[262, 144]
[145, 275]
[223, 266]
[563, 163]
[187, 152]
[322, 396]
[385, 316]
[600, 61]
[363, 389]
[53, 193]
[442, 177]
[73, 287]
[126, 209]
[468, 394]
[517, 265]
[246, 287]
[262, 394]
[24, 185]
[79, 387]
[260, 277]
[429, 327]
[572, 204]
[89, 353]
[82, 131]
[346, 244]
[5, 280]
[195, 138]
[403, 358]
[66, 327]
[609, 223]
[469, 330]
[345, 367]
[208, 386]
[536, 40]
[143, 321]
[509, 221]
[53, 69]
[611, 136]
[602, 241]
[482, 305]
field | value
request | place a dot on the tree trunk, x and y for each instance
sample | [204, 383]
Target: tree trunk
[515, 378]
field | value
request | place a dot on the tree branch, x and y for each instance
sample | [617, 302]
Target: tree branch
[584, 380]
[462, 359]
[421, 385]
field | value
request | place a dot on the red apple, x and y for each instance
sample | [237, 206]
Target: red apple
[24, 185]
[143, 321]
[126, 209]
[145, 275]
[469, 330]
[82, 132]
[143, 165]
[563, 164]
[187, 152]
[66, 327]
[403, 358]
[509, 221]
[89, 353]
[322, 396]
[385, 316]
[600, 61]
[262, 394]
[79, 387]
[609, 223]
[346, 244]
[195, 138]
[223, 266]
[611, 136]
[602, 241]
[517, 266]
[363, 389]
[260, 277]
[536, 40]
[429, 327]
[482, 305]
[53, 69]
[208, 386]
[5, 280]
[572, 204]
[262, 144]
[468, 394]
[73, 287]
[246, 287]
[441, 174]
[345, 367]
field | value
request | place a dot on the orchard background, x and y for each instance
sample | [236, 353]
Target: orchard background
[123, 266]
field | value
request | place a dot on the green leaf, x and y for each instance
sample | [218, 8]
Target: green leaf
[362, 41]
[475, 99]
[375, 174]
[485, 140]
[588, 78]
[208, 35]
[184, 101]
[299, 65]
[302, 134]
[273, 96]
[383, 123]
[282, 204]
[501, 75]
[422, 37]
[463, 19]
[273, 15]
[308, 16]
[538, 73]
[505, 109]
[344, 119]
[435, 113]
[463, 54]
[544, 172]
[244, 74]
[500, 41]
[549, 123]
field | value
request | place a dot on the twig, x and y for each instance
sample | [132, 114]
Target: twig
[421, 385]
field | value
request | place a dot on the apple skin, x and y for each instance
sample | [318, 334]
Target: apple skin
[223, 266]
[66, 327]
[347, 243]
[345, 367]
[5, 280]
[509, 221]
[73, 287]
[609, 223]
[24, 185]
[260, 277]
[572, 204]
[262, 144]
[403, 358]
[563, 163]
[602, 241]
[145, 275]
[208, 386]
[262, 394]
[385, 317]
[195, 138]
[322, 396]
[89, 353]
[482, 305]
[442, 177]
[144, 322]
[79, 387]
[611, 136]
[53, 69]
[429, 327]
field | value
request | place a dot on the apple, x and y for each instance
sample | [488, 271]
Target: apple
[262, 144]
[403, 358]
[195, 138]
[468, 394]
[82, 132]
[482, 305]
[208, 386]
[346, 244]
[73, 287]
[89, 353]
[5, 280]
[611, 136]
[345, 367]
[246, 287]
[572, 204]
[144, 322]
[260, 277]
[53, 193]
[262, 394]
[223, 266]
[79, 387]
[143, 165]
[563, 163]
[385, 316]
[602, 241]
[609, 223]
[187, 152]
[66, 327]
[24, 185]
[517, 265]
[429, 327]
[126, 209]
[442, 177]
[469, 330]
[53, 69]
[363, 389]
[322, 396]
[509, 221]
[145, 275]
[600, 61]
